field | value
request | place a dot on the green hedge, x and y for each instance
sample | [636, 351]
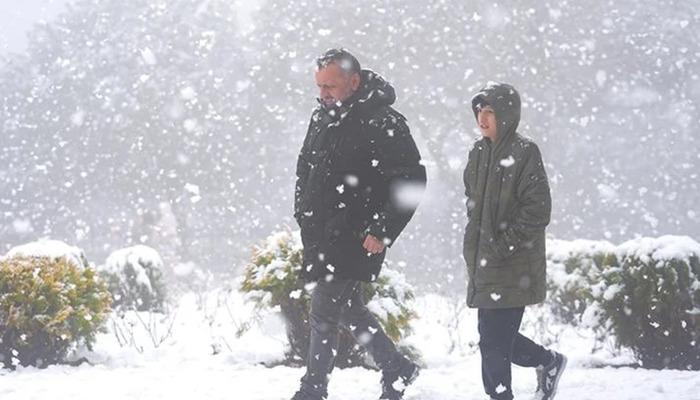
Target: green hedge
[272, 279]
[47, 306]
[645, 292]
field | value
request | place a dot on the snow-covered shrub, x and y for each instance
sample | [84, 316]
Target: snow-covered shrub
[572, 268]
[51, 249]
[645, 292]
[272, 279]
[650, 294]
[47, 306]
[134, 276]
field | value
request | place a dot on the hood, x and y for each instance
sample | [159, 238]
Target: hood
[505, 101]
[374, 91]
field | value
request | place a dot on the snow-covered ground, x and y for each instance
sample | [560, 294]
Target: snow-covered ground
[183, 366]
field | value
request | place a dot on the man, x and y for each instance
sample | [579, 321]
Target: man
[508, 206]
[358, 172]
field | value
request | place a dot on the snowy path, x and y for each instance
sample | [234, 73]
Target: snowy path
[218, 378]
[184, 369]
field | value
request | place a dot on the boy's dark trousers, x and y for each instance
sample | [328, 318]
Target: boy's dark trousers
[501, 344]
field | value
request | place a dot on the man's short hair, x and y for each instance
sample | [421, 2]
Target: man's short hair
[341, 57]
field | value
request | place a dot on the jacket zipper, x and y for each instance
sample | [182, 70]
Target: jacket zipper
[481, 216]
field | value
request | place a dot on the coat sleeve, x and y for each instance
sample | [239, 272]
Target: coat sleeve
[397, 159]
[468, 190]
[302, 173]
[534, 205]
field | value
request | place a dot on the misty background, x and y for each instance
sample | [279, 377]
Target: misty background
[176, 124]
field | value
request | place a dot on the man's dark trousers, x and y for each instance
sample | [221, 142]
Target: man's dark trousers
[334, 302]
[501, 345]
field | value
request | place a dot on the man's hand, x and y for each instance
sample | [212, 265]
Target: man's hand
[373, 245]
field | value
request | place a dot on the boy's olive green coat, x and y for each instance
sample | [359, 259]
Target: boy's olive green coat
[509, 206]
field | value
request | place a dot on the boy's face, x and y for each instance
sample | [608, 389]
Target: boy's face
[487, 122]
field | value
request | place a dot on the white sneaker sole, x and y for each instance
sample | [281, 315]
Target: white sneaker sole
[564, 360]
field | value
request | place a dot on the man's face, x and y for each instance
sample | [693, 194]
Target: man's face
[335, 85]
[487, 122]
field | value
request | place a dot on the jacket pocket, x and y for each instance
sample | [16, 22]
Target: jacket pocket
[337, 227]
[502, 248]
[491, 255]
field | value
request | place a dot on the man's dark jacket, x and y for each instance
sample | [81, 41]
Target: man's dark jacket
[509, 206]
[358, 172]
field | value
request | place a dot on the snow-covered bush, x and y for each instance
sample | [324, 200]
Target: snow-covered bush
[48, 305]
[650, 294]
[572, 268]
[134, 276]
[645, 292]
[51, 249]
[272, 279]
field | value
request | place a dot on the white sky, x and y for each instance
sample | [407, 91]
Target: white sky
[17, 18]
